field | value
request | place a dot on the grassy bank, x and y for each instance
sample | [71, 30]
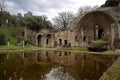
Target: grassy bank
[14, 48]
[113, 73]
[29, 47]
[9, 34]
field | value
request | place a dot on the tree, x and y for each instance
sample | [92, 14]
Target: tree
[20, 20]
[86, 9]
[2, 39]
[37, 22]
[111, 3]
[63, 19]
[13, 20]
[5, 18]
[2, 9]
[2, 5]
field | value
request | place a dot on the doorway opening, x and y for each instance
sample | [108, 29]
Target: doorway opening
[39, 39]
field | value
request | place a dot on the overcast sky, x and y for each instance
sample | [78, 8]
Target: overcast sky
[51, 8]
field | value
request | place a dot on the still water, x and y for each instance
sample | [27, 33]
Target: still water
[53, 65]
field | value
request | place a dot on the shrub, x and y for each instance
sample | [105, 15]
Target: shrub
[98, 46]
[2, 39]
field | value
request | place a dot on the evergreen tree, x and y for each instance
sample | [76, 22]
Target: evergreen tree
[2, 39]
[111, 3]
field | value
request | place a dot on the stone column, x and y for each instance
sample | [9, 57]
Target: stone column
[96, 32]
[112, 34]
[44, 40]
[52, 40]
[36, 40]
[23, 43]
[25, 33]
[82, 34]
[118, 29]
[72, 39]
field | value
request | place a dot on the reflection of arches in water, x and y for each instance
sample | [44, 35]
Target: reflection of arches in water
[79, 56]
[46, 53]
[65, 53]
[48, 39]
[60, 54]
[39, 39]
[39, 59]
[69, 53]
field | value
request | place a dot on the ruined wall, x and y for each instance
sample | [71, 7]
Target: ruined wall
[63, 37]
[96, 25]
[43, 37]
[100, 24]
[30, 36]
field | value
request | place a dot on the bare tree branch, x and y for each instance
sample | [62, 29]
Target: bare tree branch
[2, 5]
[63, 20]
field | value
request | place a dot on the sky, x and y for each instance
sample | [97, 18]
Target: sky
[50, 8]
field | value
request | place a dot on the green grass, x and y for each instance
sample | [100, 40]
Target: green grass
[10, 47]
[73, 48]
[108, 52]
[114, 73]
[31, 47]
[9, 35]
[14, 48]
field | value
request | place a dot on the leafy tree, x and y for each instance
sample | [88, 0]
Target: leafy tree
[13, 20]
[6, 17]
[2, 5]
[2, 9]
[111, 3]
[49, 25]
[20, 20]
[37, 22]
[63, 19]
[2, 39]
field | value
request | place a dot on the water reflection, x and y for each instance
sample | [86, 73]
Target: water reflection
[53, 65]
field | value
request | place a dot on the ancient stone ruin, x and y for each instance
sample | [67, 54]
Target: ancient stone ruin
[103, 23]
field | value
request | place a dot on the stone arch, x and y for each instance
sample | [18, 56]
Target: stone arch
[65, 42]
[60, 41]
[48, 39]
[39, 40]
[96, 18]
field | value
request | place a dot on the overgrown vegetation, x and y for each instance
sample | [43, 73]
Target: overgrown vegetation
[2, 39]
[31, 21]
[9, 35]
[111, 3]
[114, 73]
[73, 48]
[28, 20]
[98, 46]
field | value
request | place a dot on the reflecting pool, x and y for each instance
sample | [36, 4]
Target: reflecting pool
[53, 65]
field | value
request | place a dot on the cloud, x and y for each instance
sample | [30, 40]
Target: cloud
[39, 5]
[48, 7]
